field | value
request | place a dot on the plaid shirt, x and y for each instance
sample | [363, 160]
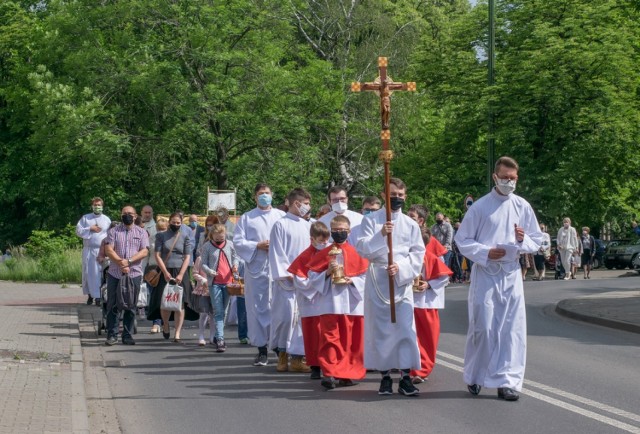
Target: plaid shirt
[127, 242]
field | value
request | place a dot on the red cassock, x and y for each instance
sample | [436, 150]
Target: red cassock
[311, 324]
[428, 319]
[436, 247]
[341, 339]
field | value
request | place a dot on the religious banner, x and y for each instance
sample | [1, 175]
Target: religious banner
[221, 198]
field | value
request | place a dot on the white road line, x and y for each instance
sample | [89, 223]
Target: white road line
[570, 407]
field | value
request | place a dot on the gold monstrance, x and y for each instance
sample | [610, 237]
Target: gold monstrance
[338, 276]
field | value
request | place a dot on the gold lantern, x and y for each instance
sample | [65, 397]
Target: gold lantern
[338, 276]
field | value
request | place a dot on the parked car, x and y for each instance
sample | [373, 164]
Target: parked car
[622, 254]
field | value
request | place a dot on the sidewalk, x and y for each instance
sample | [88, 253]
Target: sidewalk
[41, 369]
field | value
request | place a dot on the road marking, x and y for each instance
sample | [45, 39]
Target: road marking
[564, 405]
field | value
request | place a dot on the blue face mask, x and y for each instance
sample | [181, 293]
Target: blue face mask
[264, 200]
[193, 224]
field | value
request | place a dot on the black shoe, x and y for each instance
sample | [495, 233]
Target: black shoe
[345, 382]
[128, 340]
[111, 340]
[328, 383]
[89, 301]
[166, 335]
[508, 394]
[315, 373]
[261, 360]
[221, 347]
[97, 301]
[474, 389]
[386, 386]
[407, 388]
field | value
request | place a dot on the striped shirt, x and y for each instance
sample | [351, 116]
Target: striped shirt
[127, 242]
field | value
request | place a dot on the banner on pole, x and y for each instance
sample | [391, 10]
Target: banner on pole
[221, 198]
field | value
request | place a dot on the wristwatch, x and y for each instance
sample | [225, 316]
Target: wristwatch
[129, 261]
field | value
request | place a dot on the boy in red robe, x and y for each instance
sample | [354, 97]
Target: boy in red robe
[428, 298]
[341, 343]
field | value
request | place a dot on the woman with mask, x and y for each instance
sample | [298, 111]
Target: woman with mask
[202, 303]
[173, 253]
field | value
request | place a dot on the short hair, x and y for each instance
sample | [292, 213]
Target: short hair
[298, 194]
[398, 183]
[319, 229]
[162, 224]
[97, 199]
[586, 228]
[506, 162]
[146, 206]
[130, 206]
[176, 214]
[371, 200]
[336, 189]
[259, 186]
[566, 220]
[341, 219]
[426, 234]
[421, 210]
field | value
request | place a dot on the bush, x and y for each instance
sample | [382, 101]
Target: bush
[60, 267]
[44, 243]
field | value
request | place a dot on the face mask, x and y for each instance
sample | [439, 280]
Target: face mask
[439, 221]
[97, 209]
[127, 219]
[319, 246]
[264, 200]
[209, 227]
[339, 207]
[396, 203]
[566, 225]
[303, 209]
[218, 243]
[339, 237]
[584, 233]
[193, 225]
[174, 228]
[367, 211]
[505, 186]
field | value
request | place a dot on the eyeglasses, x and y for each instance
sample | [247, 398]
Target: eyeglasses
[339, 199]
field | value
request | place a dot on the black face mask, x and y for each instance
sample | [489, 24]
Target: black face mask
[339, 237]
[218, 243]
[396, 203]
[174, 228]
[127, 219]
[439, 221]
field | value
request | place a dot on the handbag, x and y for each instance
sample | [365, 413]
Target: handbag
[152, 277]
[143, 296]
[126, 293]
[172, 297]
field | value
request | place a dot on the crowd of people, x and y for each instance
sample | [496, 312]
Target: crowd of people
[317, 290]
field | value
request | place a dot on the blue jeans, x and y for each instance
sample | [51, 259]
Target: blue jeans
[129, 316]
[241, 309]
[447, 258]
[219, 300]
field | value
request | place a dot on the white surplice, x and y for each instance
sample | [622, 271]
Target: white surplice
[253, 227]
[355, 220]
[495, 353]
[289, 237]
[91, 270]
[390, 345]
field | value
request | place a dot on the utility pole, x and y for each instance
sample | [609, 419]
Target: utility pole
[490, 81]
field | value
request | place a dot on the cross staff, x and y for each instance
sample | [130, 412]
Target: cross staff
[384, 86]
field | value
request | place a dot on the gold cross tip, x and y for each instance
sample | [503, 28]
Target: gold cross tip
[385, 134]
[382, 61]
[411, 86]
[356, 87]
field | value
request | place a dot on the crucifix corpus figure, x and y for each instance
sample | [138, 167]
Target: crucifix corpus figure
[384, 86]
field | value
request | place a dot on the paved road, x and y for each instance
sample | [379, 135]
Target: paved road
[581, 378]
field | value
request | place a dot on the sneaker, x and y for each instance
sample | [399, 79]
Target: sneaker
[111, 340]
[222, 347]
[97, 301]
[407, 388]
[328, 383]
[89, 301]
[244, 341]
[386, 386]
[345, 382]
[128, 340]
[215, 343]
[261, 360]
[315, 373]
[299, 365]
[202, 343]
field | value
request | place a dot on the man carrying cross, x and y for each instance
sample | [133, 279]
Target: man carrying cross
[391, 345]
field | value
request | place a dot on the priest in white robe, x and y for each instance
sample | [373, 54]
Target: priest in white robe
[251, 241]
[391, 345]
[289, 237]
[495, 230]
[92, 228]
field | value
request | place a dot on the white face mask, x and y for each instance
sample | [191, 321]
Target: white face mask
[303, 209]
[319, 246]
[339, 207]
[505, 186]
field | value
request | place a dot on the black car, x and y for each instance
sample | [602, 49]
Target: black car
[622, 254]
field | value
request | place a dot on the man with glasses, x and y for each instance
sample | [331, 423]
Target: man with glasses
[494, 232]
[391, 345]
[339, 201]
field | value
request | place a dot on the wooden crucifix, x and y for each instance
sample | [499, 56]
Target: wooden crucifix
[384, 86]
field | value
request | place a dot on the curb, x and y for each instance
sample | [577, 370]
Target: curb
[563, 308]
[79, 413]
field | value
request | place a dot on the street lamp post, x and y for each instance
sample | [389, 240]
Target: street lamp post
[490, 82]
